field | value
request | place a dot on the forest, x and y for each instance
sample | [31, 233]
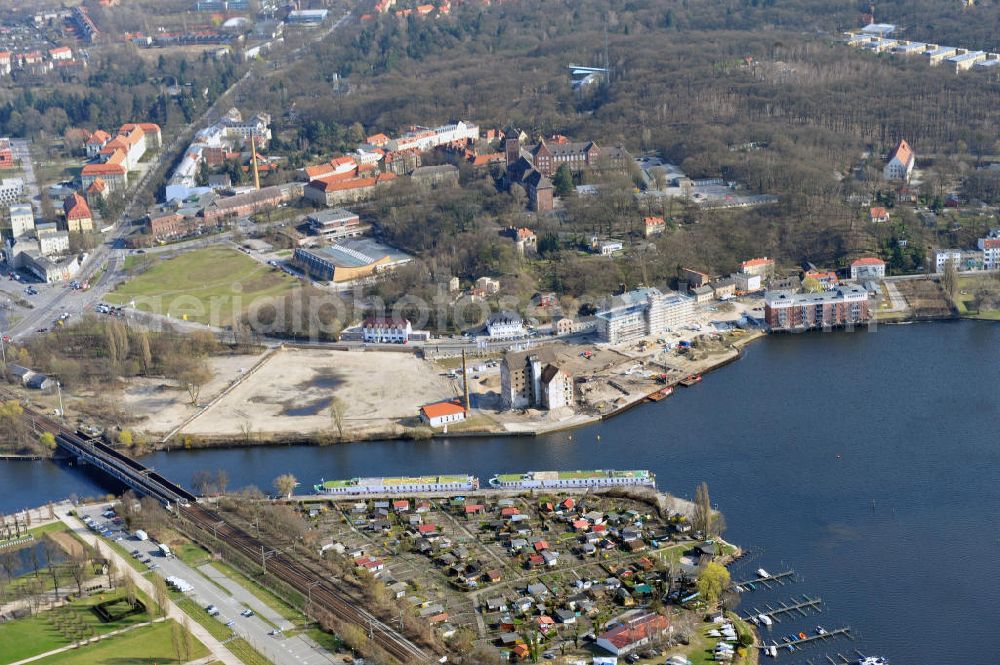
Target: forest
[760, 92]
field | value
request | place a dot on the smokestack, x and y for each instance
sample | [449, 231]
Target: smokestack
[465, 384]
[253, 152]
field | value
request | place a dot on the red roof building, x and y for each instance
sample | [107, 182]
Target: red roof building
[78, 215]
[635, 631]
[443, 413]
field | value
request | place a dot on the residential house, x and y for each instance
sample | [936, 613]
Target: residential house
[867, 268]
[747, 283]
[724, 288]
[524, 239]
[878, 215]
[653, 226]
[564, 326]
[383, 330]
[899, 165]
[505, 325]
[990, 247]
[702, 293]
[488, 285]
[636, 629]
[694, 278]
[764, 267]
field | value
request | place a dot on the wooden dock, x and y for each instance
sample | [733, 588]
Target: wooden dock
[844, 660]
[779, 579]
[799, 607]
[789, 645]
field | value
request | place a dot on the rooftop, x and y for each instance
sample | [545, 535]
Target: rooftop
[358, 252]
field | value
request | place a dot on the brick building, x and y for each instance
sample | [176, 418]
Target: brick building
[840, 306]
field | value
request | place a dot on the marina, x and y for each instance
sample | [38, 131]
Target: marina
[771, 614]
[766, 580]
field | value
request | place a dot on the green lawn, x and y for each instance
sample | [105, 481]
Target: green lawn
[210, 285]
[40, 633]
[149, 644]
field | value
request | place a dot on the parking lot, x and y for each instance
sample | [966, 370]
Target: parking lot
[231, 604]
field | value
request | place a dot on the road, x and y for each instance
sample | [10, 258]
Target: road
[52, 301]
[86, 535]
[256, 629]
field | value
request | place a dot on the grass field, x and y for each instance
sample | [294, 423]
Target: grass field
[149, 644]
[40, 633]
[965, 301]
[212, 285]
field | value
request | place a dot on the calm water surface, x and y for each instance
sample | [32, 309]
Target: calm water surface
[868, 462]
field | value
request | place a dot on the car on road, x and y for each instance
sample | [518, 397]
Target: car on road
[231, 623]
[212, 611]
[247, 613]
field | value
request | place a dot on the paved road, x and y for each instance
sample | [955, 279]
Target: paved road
[280, 650]
[218, 651]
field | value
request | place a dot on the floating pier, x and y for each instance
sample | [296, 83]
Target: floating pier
[766, 581]
[788, 644]
[799, 607]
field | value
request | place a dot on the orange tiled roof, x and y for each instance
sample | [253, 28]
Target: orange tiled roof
[868, 261]
[439, 409]
[76, 207]
[103, 169]
[903, 152]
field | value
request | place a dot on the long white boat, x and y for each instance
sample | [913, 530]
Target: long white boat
[572, 479]
[399, 485]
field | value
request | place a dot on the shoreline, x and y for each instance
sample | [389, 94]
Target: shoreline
[398, 433]
[275, 439]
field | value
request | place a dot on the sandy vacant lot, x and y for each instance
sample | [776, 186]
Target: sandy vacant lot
[165, 405]
[292, 392]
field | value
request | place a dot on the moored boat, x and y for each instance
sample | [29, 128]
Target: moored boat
[573, 479]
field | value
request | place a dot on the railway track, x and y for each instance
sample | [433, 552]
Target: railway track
[310, 584]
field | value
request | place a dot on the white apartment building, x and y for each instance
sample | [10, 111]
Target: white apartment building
[22, 219]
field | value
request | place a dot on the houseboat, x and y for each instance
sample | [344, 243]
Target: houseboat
[399, 485]
[571, 479]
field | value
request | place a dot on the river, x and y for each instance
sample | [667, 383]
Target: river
[867, 462]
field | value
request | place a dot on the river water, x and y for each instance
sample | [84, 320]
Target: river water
[868, 462]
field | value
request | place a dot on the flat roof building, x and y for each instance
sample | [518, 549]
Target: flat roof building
[840, 306]
[335, 224]
[349, 260]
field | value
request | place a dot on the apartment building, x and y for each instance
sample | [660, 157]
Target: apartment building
[837, 307]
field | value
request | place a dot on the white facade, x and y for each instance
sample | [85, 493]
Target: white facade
[425, 139]
[505, 325]
[386, 331]
[609, 247]
[641, 313]
[442, 420]
[51, 244]
[990, 246]
[11, 190]
[22, 219]
[867, 269]
[747, 283]
[942, 256]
